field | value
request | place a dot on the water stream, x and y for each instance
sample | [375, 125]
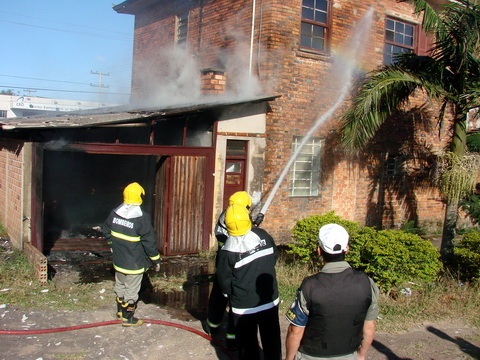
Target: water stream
[344, 69]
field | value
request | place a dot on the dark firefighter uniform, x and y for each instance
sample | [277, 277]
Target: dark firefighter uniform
[217, 302]
[133, 242]
[246, 274]
[129, 232]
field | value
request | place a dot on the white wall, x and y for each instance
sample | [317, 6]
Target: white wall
[18, 106]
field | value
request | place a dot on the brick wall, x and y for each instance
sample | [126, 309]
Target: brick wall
[11, 185]
[220, 31]
[306, 82]
[212, 82]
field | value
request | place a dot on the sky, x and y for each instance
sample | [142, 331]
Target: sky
[66, 49]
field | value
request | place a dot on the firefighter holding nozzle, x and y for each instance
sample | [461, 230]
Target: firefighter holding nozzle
[217, 302]
[129, 232]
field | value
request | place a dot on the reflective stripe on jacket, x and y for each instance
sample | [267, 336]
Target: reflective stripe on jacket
[133, 242]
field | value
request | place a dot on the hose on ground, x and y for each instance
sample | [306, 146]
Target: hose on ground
[113, 322]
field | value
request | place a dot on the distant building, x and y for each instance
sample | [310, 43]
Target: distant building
[22, 106]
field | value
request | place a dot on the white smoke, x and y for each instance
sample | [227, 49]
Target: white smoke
[172, 76]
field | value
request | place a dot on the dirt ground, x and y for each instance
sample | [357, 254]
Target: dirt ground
[181, 337]
[175, 332]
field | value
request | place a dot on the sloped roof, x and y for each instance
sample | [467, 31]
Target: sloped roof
[132, 6]
[117, 115]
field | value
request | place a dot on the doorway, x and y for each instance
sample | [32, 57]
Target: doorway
[235, 168]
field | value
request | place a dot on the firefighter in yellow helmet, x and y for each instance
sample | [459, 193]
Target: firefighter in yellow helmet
[246, 275]
[129, 232]
[217, 303]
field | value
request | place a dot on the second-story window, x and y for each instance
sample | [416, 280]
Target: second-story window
[399, 38]
[181, 30]
[315, 25]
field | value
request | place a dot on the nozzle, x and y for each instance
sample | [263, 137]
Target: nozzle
[258, 220]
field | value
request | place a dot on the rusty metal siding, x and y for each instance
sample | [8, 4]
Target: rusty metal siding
[187, 204]
[160, 213]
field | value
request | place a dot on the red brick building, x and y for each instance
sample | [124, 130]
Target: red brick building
[224, 93]
[291, 49]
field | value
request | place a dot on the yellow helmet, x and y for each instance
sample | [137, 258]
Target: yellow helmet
[133, 194]
[240, 198]
[237, 220]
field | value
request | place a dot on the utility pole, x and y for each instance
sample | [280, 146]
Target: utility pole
[29, 91]
[100, 83]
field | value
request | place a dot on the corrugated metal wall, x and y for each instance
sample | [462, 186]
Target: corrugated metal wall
[186, 204]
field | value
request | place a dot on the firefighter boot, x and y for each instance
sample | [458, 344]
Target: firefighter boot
[119, 308]
[128, 310]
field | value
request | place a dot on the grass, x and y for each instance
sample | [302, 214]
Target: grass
[3, 232]
[168, 283]
[19, 287]
[447, 299]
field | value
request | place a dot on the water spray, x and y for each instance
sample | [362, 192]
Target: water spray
[364, 26]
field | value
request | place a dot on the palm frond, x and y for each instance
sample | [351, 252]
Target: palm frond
[383, 92]
[378, 98]
[473, 142]
[431, 19]
[450, 75]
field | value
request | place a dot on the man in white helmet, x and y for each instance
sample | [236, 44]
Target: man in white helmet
[129, 232]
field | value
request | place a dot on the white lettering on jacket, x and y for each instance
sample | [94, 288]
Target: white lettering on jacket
[123, 222]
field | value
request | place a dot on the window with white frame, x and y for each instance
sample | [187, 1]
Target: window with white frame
[181, 30]
[305, 170]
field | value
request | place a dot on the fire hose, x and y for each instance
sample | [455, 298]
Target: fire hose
[112, 322]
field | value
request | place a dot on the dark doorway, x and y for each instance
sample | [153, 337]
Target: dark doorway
[80, 189]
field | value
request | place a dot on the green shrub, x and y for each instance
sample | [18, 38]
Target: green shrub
[305, 236]
[390, 257]
[393, 257]
[471, 205]
[467, 256]
[412, 228]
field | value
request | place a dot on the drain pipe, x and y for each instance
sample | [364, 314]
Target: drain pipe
[252, 35]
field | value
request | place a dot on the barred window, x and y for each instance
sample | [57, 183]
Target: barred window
[393, 165]
[181, 30]
[305, 171]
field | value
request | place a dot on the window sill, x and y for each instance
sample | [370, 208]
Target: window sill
[311, 54]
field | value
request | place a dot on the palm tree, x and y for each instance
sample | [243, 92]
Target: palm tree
[449, 75]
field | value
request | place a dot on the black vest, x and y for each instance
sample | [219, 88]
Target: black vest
[337, 305]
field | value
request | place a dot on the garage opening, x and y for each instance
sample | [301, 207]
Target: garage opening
[80, 189]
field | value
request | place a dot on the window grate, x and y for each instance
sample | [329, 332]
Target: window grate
[182, 30]
[305, 170]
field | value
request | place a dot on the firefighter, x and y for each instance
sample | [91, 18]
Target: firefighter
[246, 275]
[130, 234]
[217, 303]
